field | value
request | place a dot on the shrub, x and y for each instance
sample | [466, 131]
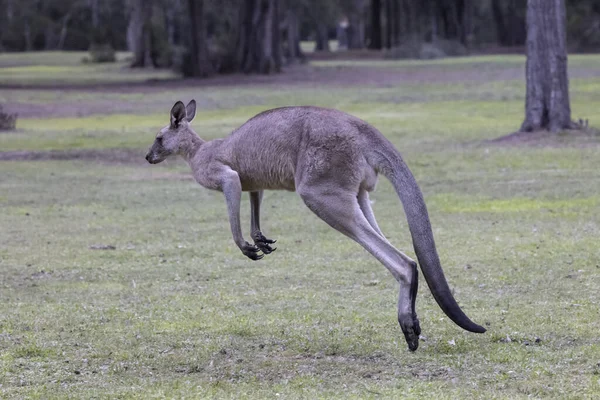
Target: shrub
[8, 122]
[101, 53]
[417, 49]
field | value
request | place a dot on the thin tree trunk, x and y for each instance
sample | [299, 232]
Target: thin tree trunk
[201, 65]
[9, 10]
[49, 36]
[547, 103]
[170, 24]
[140, 25]
[404, 23]
[388, 23]
[294, 52]
[434, 20]
[356, 28]
[95, 13]
[467, 23]
[27, 34]
[375, 25]
[64, 31]
[322, 38]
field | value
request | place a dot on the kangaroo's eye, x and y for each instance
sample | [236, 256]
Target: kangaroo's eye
[159, 140]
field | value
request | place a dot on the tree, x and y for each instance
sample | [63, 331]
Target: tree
[547, 103]
[509, 19]
[259, 41]
[356, 28]
[293, 52]
[140, 32]
[199, 58]
[375, 25]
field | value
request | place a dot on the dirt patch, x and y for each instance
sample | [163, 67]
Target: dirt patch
[578, 138]
[123, 156]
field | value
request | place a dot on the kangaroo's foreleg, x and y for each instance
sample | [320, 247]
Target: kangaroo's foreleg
[340, 209]
[232, 189]
[259, 240]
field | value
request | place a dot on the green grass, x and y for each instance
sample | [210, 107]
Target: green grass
[52, 68]
[176, 310]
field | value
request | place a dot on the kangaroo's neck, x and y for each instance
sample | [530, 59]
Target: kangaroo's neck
[191, 147]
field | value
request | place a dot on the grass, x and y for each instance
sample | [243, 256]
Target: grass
[52, 67]
[176, 311]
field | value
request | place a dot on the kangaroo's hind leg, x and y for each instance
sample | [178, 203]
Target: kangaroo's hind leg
[365, 205]
[339, 207]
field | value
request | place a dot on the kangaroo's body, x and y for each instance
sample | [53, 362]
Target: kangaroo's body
[331, 159]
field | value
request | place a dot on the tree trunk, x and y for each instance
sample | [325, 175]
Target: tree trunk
[294, 52]
[259, 44]
[27, 34]
[356, 27]
[170, 22]
[322, 42]
[95, 13]
[389, 20]
[375, 25]
[63, 31]
[467, 23]
[140, 30]
[433, 11]
[547, 103]
[199, 57]
[404, 23]
[509, 22]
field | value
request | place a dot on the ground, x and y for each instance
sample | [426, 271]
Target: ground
[120, 280]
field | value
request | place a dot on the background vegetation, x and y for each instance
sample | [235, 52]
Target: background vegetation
[200, 37]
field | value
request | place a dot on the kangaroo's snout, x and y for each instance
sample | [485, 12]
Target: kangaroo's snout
[151, 159]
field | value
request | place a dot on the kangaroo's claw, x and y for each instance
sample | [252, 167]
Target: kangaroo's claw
[252, 252]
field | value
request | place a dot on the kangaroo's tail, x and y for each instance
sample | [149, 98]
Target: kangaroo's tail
[390, 164]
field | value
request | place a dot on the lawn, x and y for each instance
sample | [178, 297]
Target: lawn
[120, 280]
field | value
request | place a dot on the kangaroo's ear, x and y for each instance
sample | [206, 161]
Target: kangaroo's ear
[190, 110]
[177, 114]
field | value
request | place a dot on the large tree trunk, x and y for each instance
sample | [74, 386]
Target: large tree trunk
[199, 57]
[375, 25]
[141, 34]
[547, 104]
[259, 42]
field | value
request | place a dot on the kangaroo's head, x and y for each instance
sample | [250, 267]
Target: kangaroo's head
[177, 138]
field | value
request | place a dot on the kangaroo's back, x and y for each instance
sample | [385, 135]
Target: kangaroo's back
[266, 149]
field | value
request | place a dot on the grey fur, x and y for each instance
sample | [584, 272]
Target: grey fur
[331, 159]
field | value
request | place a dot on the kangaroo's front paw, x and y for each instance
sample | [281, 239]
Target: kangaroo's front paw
[263, 243]
[251, 251]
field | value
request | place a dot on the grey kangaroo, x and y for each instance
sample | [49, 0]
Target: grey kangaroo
[331, 159]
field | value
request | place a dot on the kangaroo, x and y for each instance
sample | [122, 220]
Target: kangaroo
[331, 159]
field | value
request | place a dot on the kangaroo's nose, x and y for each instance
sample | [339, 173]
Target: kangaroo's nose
[148, 157]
